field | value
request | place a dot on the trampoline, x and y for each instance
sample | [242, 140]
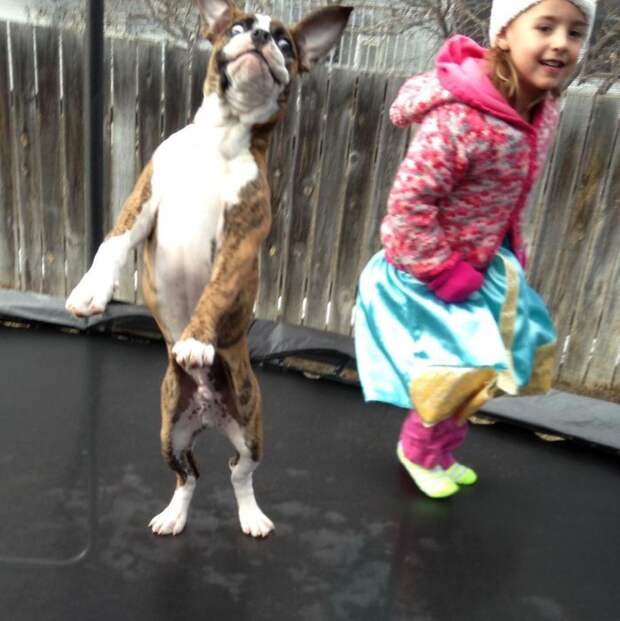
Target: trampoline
[536, 538]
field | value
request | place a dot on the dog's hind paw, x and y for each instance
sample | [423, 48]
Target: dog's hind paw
[192, 354]
[255, 523]
[170, 521]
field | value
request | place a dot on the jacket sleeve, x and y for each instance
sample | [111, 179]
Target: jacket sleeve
[404, 110]
[436, 161]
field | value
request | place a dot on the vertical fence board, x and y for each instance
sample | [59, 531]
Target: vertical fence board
[274, 141]
[123, 153]
[8, 216]
[549, 254]
[149, 98]
[359, 190]
[200, 61]
[393, 143]
[565, 234]
[176, 89]
[603, 374]
[586, 277]
[331, 195]
[26, 174]
[50, 157]
[305, 194]
[603, 370]
[108, 124]
[560, 191]
[535, 209]
[273, 252]
[569, 231]
[72, 140]
[149, 119]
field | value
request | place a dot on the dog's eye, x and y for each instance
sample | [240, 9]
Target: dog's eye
[237, 29]
[284, 44]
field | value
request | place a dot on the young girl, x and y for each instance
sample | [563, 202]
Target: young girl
[445, 318]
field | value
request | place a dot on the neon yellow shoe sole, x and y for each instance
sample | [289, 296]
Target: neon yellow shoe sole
[462, 475]
[434, 483]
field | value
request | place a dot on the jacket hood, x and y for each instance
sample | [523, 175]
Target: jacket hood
[459, 76]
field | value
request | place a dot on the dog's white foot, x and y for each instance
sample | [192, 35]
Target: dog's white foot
[91, 295]
[172, 520]
[193, 354]
[254, 522]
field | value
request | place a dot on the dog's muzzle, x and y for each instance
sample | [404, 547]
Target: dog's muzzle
[257, 52]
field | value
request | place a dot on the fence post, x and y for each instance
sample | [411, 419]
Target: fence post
[93, 127]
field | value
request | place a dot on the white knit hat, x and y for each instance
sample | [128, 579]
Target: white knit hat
[504, 11]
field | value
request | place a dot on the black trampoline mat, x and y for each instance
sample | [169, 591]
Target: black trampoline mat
[537, 538]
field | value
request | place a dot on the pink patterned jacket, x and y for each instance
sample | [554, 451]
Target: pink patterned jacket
[466, 177]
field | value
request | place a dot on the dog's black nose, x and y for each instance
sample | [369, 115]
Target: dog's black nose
[260, 37]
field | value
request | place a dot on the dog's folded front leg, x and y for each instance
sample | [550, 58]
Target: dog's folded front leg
[196, 347]
[233, 266]
[95, 289]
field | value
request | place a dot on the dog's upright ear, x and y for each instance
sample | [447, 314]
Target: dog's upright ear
[318, 32]
[216, 15]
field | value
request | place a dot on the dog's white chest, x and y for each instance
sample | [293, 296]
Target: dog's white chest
[198, 173]
[194, 184]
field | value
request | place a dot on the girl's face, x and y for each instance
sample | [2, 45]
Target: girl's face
[544, 44]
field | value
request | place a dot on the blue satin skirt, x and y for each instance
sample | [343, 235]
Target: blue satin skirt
[415, 351]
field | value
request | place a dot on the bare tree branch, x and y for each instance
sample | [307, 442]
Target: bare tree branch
[178, 19]
[440, 19]
[444, 18]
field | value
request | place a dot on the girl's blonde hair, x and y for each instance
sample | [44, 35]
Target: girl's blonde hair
[504, 74]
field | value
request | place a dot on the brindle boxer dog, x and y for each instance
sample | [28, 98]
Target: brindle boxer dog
[202, 206]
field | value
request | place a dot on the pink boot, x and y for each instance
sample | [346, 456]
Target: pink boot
[430, 446]
[426, 453]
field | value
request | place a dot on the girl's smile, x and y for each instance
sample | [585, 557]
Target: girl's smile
[554, 66]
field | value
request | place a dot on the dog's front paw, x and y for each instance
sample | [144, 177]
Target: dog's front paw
[193, 354]
[254, 522]
[91, 295]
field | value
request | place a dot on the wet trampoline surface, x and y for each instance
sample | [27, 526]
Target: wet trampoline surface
[81, 476]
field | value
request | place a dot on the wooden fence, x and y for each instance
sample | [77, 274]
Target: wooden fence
[332, 162]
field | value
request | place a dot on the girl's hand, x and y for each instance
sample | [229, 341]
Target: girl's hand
[456, 284]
